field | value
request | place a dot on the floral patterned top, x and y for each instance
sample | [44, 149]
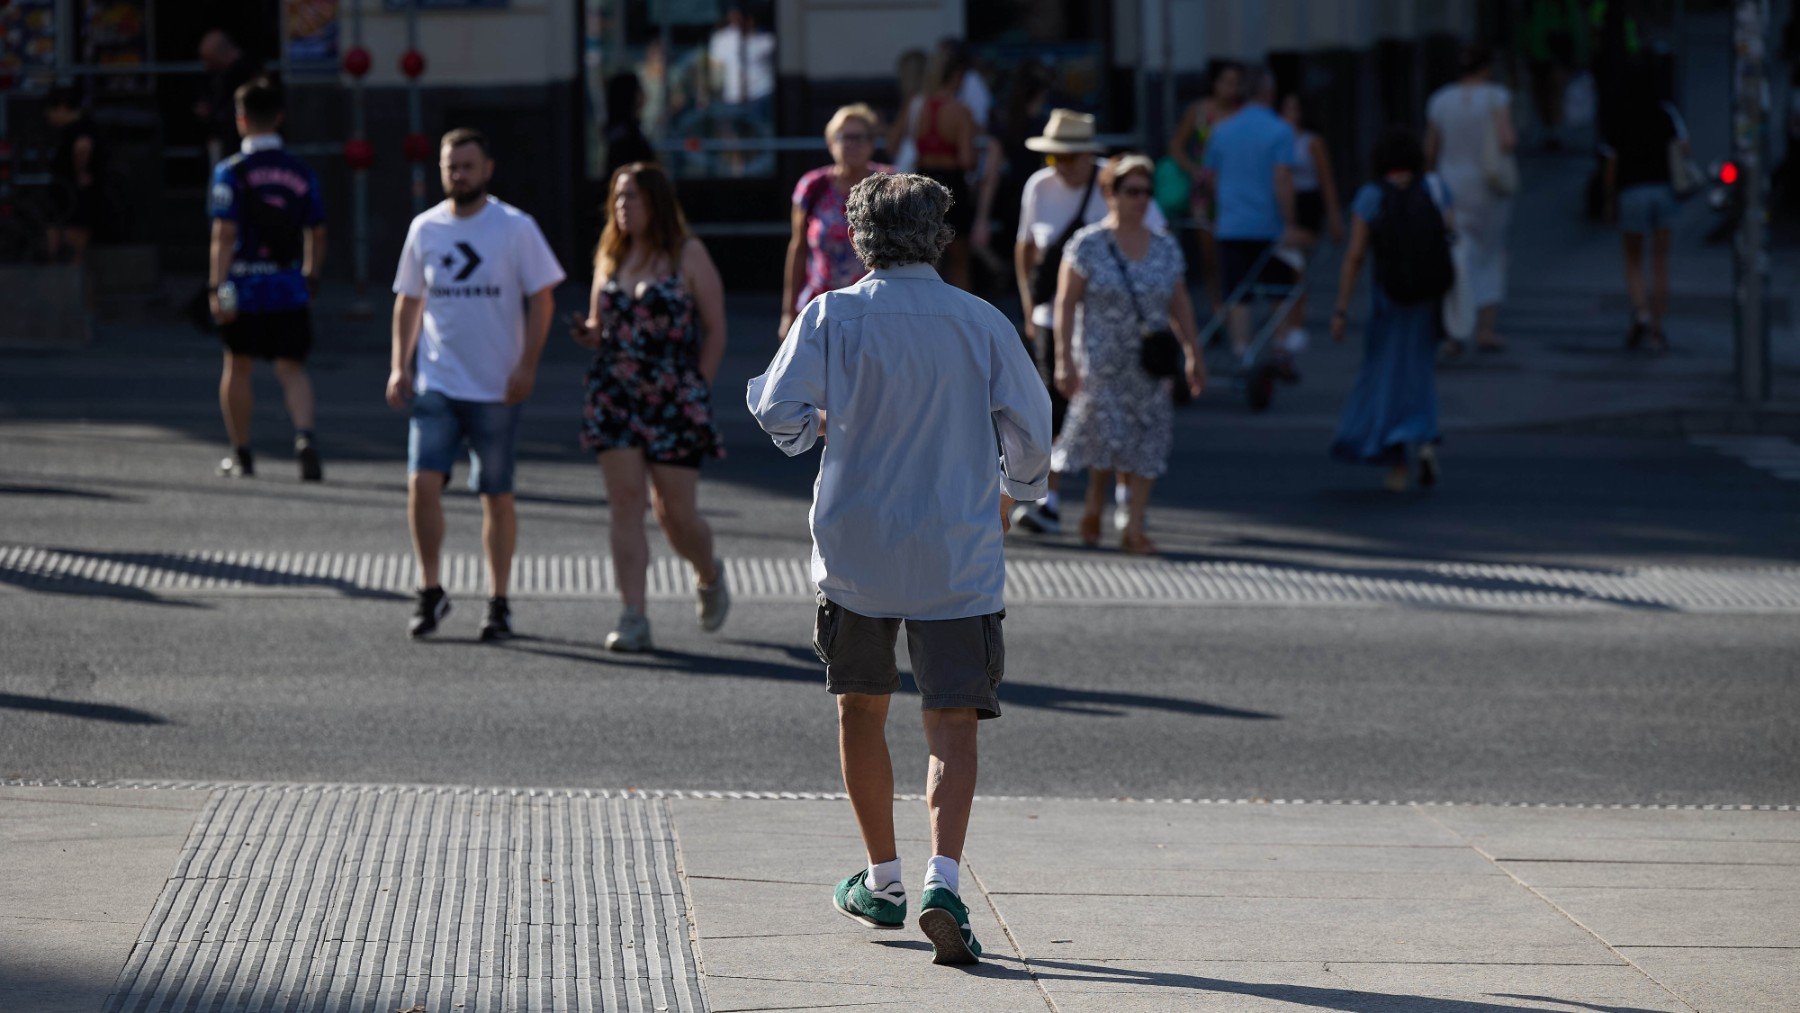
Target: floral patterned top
[644, 388]
[831, 261]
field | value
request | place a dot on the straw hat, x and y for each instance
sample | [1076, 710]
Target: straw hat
[1067, 132]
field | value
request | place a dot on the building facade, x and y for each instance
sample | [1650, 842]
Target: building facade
[735, 95]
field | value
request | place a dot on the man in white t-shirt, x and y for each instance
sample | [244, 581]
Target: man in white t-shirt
[468, 265]
[1047, 218]
[743, 58]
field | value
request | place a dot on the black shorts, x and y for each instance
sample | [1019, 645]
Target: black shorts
[956, 662]
[284, 335]
[1237, 257]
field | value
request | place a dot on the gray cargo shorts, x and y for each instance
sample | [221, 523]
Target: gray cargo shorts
[956, 662]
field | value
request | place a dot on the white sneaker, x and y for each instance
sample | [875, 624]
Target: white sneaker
[1121, 517]
[631, 634]
[714, 602]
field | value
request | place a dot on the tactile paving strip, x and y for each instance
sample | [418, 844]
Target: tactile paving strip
[321, 898]
[1455, 585]
[134, 784]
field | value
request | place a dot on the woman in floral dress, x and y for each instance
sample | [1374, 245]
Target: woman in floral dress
[1120, 276]
[819, 255]
[657, 325]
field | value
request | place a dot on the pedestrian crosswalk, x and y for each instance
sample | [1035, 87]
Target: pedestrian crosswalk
[1777, 455]
[1070, 581]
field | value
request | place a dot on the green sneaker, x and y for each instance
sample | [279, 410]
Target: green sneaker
[945, 921]
[878, 909]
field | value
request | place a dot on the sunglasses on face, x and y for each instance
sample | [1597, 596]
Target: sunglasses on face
[1134, 191]
[853, 139]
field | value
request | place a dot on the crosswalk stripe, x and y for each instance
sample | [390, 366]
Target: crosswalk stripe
[1069, 581]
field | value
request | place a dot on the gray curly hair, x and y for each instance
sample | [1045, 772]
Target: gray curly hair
[898, 219]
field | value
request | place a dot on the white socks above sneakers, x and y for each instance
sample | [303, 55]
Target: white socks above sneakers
[883, 874]
[943, 874]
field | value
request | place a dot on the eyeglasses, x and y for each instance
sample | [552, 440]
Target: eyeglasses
[1134, 191]
[854, 139]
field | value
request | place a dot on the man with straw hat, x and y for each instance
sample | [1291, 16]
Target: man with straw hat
[1059, 200]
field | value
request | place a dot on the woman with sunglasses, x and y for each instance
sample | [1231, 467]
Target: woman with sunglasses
[819, 255]
[1125, 278]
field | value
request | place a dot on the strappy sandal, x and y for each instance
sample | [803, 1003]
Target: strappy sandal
[1137, 545]
[1090, 529]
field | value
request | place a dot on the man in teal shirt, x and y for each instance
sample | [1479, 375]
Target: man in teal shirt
[1251, 159]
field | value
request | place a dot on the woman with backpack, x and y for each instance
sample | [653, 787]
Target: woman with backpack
[1403, 217]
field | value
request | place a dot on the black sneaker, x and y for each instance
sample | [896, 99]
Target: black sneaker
[1428, 467]
[1640, 329]
[498, 624]
[311, 468]
[1259, 389]
[433, 606]
[1036, 519]
[238, 464]
[1286, 370]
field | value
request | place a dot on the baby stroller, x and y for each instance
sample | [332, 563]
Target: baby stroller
[1265, 359]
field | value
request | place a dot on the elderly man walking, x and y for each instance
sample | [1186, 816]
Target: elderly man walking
[935, 421]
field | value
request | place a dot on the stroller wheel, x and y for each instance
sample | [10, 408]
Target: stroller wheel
[1259, 389]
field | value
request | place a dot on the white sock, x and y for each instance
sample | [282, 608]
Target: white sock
[1122, 495]
[1051, 502]
[943, 873]
[883, 874]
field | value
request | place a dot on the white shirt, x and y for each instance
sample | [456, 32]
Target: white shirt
[746, 64]
[473, 274]
[932, 406]
[974, 93]
[1048, 206]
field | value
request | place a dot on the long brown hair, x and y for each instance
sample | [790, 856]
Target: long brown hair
[668, 229]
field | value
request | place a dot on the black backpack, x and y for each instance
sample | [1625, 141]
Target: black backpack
[278, 228]
[1412, 246]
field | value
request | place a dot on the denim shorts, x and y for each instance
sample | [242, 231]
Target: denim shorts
[441, 427]
[1646, 207]
[956, 662]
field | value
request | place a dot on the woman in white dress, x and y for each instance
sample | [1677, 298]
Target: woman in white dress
[1469, 136]
[1122, 277]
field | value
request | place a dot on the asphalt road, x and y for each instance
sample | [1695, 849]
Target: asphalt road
[112, 451]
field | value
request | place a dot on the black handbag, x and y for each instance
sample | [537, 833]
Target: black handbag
[1160, 351]
[1043, 277]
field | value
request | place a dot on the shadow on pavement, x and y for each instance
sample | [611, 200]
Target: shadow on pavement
[1476, 583]
[78, 709]
[60, 491]
[205, 569]
[1352, 1000]
[1092, 703]
[82, 587]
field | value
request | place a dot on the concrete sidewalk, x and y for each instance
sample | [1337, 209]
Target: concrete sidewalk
[396, 898]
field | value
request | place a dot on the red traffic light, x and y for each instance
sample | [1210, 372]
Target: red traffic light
[1728, 173]
[358, 153]
[416, 148]
[412, 64]
[357, 62]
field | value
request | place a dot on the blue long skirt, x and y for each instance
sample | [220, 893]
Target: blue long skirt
[1393, 405]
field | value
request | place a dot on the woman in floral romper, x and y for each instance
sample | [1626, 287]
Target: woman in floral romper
[657, 325]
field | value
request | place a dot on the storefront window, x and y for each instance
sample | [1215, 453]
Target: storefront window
[706, 70]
